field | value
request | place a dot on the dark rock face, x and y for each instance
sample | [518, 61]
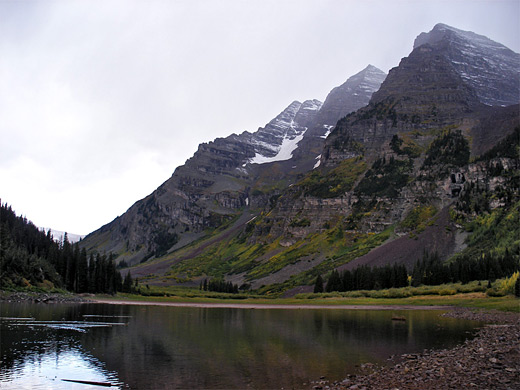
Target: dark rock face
[350, 96]
[489, 68]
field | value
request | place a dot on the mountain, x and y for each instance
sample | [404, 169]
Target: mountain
[231, 174]
[59, 235]
[424, 166]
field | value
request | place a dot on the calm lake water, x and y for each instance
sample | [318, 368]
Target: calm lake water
[153, 347]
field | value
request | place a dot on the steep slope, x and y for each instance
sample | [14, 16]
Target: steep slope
[231, 174]
[209, 189]
[280, 137]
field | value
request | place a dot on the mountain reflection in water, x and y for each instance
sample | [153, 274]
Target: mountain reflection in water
[151, 347]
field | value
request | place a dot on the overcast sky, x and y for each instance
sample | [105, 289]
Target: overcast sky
[100, 101]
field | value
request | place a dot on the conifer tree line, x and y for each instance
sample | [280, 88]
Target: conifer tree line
[218, 285]
[31, 257]
[365, 278]
[429, 270]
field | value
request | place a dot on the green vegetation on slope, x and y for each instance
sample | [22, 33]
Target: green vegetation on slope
[405, 146]
[335, 182]
[419, 218]
[450, 149]
[385, 178]
[234, 255]
[338, 249]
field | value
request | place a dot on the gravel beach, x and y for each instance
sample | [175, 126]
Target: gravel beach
[491, 360]
[19, 297]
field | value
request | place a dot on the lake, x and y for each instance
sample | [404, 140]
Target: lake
[155, 347]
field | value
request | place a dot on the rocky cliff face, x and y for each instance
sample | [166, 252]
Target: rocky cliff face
[350, 96]
[353, 94]
[219, 181]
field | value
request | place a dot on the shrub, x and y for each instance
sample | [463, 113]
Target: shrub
[491, 292]
[507, 286]
[447, 291]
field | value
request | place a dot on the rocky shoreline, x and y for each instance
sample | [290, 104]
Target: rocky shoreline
[491, 360]
[36, 297]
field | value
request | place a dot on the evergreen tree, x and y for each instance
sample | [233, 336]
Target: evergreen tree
[82, 272]
[127, 283]
[334, 282]
[318, 286]
[347, 281]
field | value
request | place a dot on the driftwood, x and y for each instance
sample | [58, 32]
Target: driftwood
[106, 384]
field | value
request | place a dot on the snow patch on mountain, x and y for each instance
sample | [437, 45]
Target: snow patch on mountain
[329, 129]
[285, 151]
[312, 105]
[317, 162]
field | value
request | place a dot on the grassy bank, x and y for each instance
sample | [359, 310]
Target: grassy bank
[474, 294]
[472, 300]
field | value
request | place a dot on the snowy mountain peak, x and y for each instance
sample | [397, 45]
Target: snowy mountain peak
[346, 98]
[280, 137]
[312, 105]
[444, 32]
[485, 65]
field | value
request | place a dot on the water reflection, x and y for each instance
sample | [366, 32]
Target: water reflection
[164, 347]
[42, 347]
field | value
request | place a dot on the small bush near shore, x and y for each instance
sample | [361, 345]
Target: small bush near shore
[507, 286]
[491, 292]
